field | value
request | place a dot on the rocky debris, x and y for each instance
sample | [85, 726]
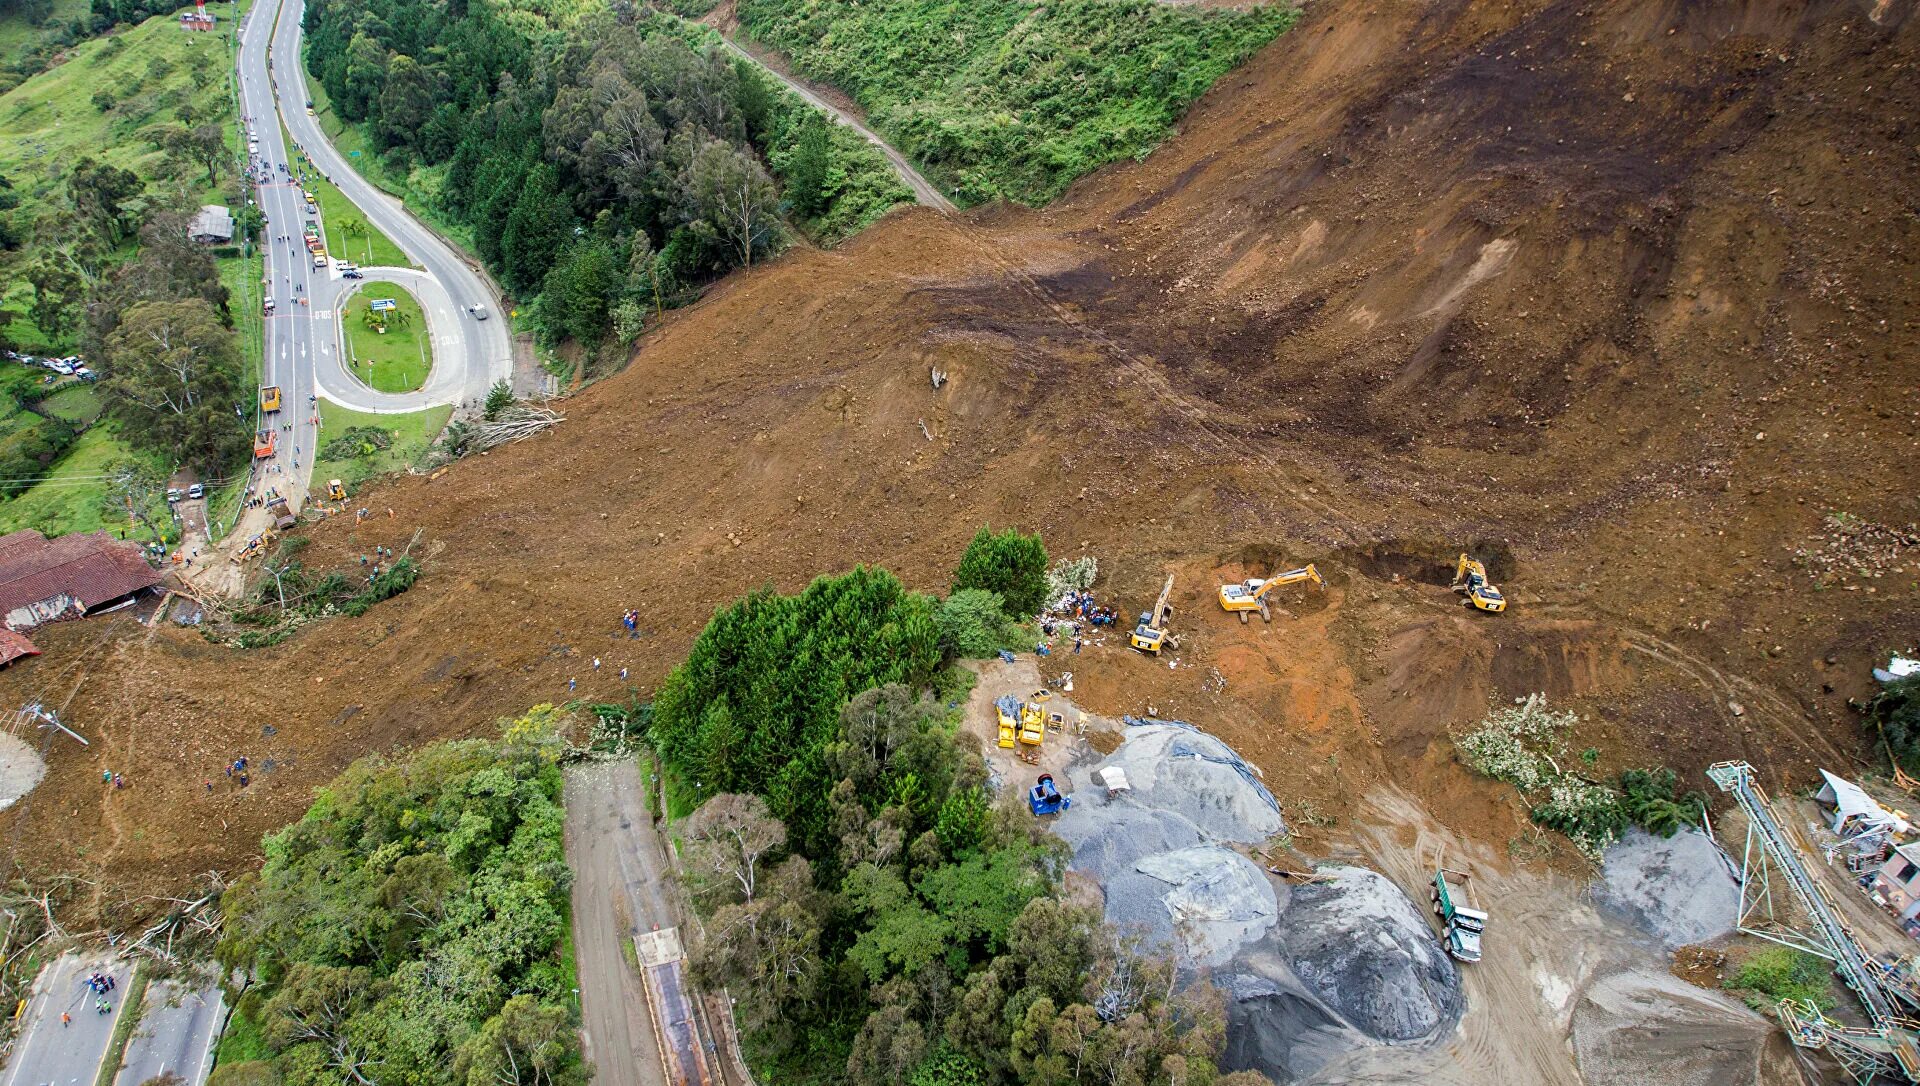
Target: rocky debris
[1849, 547]
[1676, 889]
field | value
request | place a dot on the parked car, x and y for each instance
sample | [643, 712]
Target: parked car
[196, 491]
[60, 367]
[173, 494]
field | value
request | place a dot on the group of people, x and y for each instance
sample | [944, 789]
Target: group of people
[99, 984]
[631, 620]
[108, 776]
[236, 771]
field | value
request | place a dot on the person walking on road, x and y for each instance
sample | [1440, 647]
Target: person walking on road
[65, 1020]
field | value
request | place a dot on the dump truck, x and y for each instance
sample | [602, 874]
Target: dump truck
[1470, 579]
[265, 442]
[1007, 709]
[278, 509]
[270, 398]
[1460, 923]
[1250, 596]
[1045, 799]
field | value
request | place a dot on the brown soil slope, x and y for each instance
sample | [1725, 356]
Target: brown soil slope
[1622, 294]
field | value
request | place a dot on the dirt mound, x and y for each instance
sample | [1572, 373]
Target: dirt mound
[1625, 288]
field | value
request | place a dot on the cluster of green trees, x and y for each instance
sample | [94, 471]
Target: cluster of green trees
[409, 928]
[606, 167]
[879, 917]
[110, 272]
[1013, 99]
[1895, 713]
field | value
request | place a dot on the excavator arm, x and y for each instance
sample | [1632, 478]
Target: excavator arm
[1292, 576]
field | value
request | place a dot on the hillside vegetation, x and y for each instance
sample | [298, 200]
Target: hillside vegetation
[410, 927]
[1010, 99]
[103, 158]
[604, 166]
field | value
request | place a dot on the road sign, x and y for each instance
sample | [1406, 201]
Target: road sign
[380, 305]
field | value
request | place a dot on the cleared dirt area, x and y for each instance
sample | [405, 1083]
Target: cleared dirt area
[1619, 295]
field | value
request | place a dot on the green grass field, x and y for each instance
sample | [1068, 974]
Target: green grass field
[150, 71]
[76, 403]
[412, 434]
[71, 498]
[18, 36]
[398, 360]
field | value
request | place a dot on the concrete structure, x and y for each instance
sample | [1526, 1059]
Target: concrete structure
[212, 226]
[197, 19]
[44, 580]
[1896, 885]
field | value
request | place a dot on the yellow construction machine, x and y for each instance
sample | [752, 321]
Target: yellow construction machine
[1246, 597]
[1006, 711]
[1470, 579]
[1033, 724]
[336, 491]
[1151, 633]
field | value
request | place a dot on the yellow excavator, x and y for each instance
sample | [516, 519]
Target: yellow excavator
[1470, 579]
[1246, 597]
[1151, 633]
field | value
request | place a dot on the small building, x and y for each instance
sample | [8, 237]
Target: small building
[46, 580]
[1897, 885]
[212, 226]
[197, 19]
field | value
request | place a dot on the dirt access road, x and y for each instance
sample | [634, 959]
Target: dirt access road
[620, 875]
[923, 191]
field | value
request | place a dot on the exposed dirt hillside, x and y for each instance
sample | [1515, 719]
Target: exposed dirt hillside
[1621, 294]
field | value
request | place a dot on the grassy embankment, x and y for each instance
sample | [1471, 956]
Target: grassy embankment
[22, 41]
[408, 436]
[1012, 99]
[99, 103]
[397, 359]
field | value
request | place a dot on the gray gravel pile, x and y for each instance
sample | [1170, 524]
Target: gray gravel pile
[1676, 889]
[1215, 899]
[1172, 766]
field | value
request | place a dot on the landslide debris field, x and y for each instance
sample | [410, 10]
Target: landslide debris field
[1619, 296]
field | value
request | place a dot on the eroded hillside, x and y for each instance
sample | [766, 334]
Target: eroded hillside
[1620, 294]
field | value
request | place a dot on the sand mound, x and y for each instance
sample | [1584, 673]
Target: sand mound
[20, 769]
[1676, 889]
[1651, 1029]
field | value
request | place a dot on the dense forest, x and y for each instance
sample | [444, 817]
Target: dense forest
[605, 166]
[879, 917]
[1013, 99]
[410, 927]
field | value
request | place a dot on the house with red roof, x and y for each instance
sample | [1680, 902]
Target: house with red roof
[45, 580]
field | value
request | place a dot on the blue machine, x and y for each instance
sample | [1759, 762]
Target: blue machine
[1044, 799]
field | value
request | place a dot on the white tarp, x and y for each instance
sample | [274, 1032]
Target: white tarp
[1852, 805]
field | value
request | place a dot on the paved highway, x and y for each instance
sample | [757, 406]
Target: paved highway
[303, 347]
[179, 1023]
[51, 1054]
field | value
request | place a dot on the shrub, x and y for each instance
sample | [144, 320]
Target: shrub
[499, 398]
[1650, 801]
[1010, 563]
[1778, 973]
[1071, 575]
[1592, 816]
[972, 623]
[1895, 711]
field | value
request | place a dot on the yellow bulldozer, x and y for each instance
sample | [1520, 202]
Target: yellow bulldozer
[1151, 634]
[1470, 579]
[1244, 598]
